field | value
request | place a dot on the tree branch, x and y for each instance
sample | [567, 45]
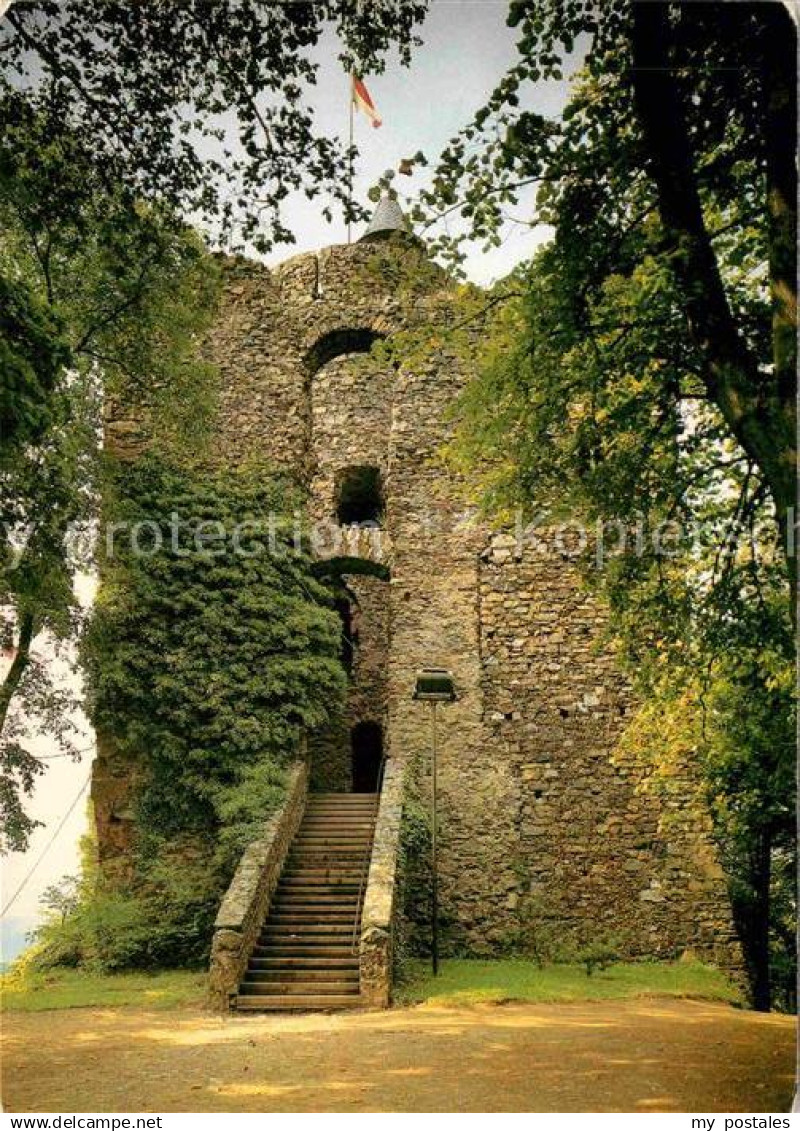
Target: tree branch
[17, 669]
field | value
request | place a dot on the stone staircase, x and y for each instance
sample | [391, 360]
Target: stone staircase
[307, 955]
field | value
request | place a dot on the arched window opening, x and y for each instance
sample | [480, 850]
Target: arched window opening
[360, 496]
[367, 749]
[337, 343]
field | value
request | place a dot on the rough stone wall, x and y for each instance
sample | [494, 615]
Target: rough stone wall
[351, 411]
[367, 692]
[113, 783]
[379, 914]
[435, 622]
[267, 344]
[350, 399]
[596, 851]
[537, 811]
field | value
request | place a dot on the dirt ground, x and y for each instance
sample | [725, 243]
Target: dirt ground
[647, 1055]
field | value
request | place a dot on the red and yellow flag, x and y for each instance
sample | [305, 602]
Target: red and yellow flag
[364, 103]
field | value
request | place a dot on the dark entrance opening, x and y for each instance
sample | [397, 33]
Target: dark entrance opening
[367, 746]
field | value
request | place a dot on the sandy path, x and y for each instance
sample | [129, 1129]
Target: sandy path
[648, 1055]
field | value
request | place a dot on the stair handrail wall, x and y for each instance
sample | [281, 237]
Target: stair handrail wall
[354, 942]
[378, 911]
[245, 903]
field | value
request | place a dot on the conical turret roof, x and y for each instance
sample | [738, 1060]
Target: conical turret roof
[388, 218]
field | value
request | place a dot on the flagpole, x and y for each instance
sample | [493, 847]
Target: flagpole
[350, 158]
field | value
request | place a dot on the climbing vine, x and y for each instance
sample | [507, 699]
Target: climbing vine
[211, 647]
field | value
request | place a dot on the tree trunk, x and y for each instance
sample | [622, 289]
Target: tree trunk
[759, 934]
[779, 69]
[757, 405]
[17, 669]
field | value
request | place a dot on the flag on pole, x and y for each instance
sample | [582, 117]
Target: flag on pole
[364, 103]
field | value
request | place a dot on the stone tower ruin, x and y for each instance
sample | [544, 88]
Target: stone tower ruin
[539, 814]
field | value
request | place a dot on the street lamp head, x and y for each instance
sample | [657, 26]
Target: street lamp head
[435, 685]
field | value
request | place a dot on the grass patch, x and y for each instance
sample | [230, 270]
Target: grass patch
[467, 981]
[76, 989]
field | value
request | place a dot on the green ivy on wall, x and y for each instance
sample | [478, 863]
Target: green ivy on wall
[207, 656]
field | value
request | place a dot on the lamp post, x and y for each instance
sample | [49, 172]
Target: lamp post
[434, 686]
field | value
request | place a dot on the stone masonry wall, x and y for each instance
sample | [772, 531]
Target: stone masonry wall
[367, 691]
[435, 622]
[597, 852]
[351, 409]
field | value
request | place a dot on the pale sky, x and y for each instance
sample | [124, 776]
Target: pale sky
[466, 48]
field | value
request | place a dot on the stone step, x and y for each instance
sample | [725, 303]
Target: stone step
[328, 856]
[314, 865]
[313, 948]
[264, 1003]
[307, 914]
[342, 832]
[307, 885]
[330, 809]
[321, 911]
[342, 797]
[358, 810]
[310, 965]
[340, 945]
[343, 840]
[301, 883]
[351, 817]
[269, 989]
[320, 981]
[305, 897]
[296, 935]
[300, 915]
[339, 832]
[308, 869]
[329, 833]
[341, 928]
[332, 845]
[359, 813]
[303, 910]
[283, 974]
[335, 891]
[318, 896]
[304, 882]
[362, 824]
[307, 894]
[281, 930]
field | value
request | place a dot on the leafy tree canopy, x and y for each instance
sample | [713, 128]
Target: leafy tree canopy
[674, 156]
[200, 106]
[205, 660]
[210, 649]
[102, 302]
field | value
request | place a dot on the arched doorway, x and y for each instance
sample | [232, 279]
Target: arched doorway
[367, 750]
